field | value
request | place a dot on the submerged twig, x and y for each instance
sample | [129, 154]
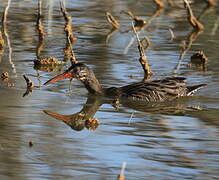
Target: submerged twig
[192, 19]
[121, 176]
[112, 20]
[30, 86]
[172, 34]
[159, 4]
[130, 119]
[143, 58]
[138, 21]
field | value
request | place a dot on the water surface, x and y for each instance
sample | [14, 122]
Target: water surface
[175, 140]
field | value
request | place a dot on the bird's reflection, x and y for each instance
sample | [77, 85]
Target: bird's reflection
[85, 118]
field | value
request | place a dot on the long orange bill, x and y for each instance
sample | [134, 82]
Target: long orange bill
[65, 75]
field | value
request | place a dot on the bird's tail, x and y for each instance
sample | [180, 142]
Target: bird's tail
[192, 89]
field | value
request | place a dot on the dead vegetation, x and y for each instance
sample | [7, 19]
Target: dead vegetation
[41, 30]
[192, 36]
[115, 24]
[5, 75]
[121, 176]
[48, 61]
[199, 58]
[159, 3]
[145, 43]
[68, 24]
[192, 19]
[30, 86]
[138, 22]
[70, 37]
[143, 58]
[40, 63]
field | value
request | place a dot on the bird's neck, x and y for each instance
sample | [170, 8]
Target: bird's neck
[92, 84]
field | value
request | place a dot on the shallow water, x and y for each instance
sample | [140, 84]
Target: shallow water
[174, 140]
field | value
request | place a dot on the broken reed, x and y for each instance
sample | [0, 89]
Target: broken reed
[192, 19]
[68, 25]
[143, 58]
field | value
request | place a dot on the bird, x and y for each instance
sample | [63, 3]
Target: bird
[166, 89]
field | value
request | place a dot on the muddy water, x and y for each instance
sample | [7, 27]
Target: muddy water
[174, 140]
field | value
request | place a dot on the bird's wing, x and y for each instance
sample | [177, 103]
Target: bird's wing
[158, 90]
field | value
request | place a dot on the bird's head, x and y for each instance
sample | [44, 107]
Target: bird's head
[76, 71]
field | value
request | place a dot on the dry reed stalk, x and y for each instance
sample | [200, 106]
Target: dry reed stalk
[159, 4]
[69, 34]
[73, 59]
[143, 58]
[68, 24]
[192, 19]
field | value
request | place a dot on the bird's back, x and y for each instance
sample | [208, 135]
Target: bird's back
[158, 90]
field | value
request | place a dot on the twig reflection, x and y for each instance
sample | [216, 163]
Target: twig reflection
[4, 25]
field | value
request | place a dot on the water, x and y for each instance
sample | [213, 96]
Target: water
[175, 140]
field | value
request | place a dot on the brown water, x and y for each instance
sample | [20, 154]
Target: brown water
[175, 140]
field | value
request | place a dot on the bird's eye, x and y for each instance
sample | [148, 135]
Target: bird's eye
[83, 73]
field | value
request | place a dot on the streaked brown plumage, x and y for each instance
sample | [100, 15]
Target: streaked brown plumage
[154, 91]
